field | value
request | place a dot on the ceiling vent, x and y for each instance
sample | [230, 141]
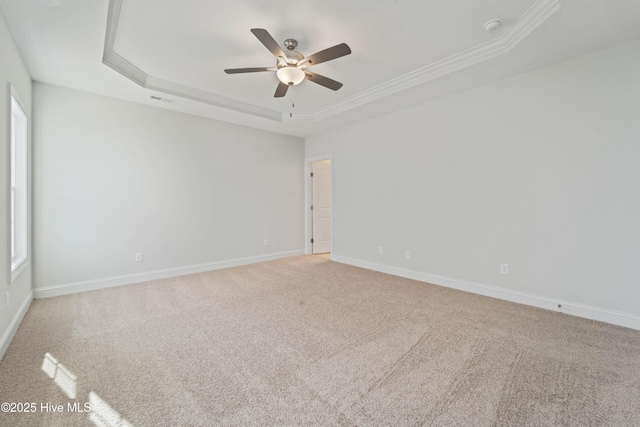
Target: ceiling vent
[157, 98]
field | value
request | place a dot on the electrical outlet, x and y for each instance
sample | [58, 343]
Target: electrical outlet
[139, 257]
[407, 254]
[266, 242]
[380, 250]
[504, 268]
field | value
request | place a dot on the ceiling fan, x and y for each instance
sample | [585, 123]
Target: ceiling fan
[291, 66]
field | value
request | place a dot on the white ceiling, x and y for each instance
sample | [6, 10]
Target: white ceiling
[404, 51]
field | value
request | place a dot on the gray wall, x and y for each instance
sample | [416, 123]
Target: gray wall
[12, 70]
[114, 178]
[540, 171]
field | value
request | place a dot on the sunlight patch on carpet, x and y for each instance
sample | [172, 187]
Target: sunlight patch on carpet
[103, 415]
[60, 375]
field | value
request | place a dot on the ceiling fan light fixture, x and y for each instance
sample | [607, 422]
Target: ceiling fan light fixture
[290, 75]
[291, 65]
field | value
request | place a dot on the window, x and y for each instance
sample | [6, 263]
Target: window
[18, 191]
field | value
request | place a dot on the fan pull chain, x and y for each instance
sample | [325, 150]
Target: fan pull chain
[293, 103]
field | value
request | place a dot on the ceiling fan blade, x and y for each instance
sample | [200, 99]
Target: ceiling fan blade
[268, 42]
[322, 80]
[281, 90]
[326, 55]
[248, 70]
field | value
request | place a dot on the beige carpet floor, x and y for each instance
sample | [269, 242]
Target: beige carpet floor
[304, 341]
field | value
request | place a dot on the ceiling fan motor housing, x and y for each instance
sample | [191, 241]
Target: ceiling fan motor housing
[292, 57]
[291, 44]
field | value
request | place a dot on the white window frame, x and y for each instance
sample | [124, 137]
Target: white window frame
[18, 185]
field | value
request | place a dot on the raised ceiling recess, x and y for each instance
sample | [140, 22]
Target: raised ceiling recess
[503, 39]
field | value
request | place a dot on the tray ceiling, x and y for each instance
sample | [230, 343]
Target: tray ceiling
[172, 54]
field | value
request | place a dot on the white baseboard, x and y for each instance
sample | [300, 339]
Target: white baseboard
[594, 313]
[92, 285]
[13, 326]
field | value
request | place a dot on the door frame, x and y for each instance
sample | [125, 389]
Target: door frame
[308, 200]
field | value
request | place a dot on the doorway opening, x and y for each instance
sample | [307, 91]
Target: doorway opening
[319, 200]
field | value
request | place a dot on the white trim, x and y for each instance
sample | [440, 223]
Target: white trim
[15, 269]
[307, 201]
[172, 88]
[529, 21]
[298, 117]
[129, 70]
[10, 332]
[538, 13]
[108, 282]
[627, 320]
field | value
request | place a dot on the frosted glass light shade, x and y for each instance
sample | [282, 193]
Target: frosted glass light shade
[290, 75]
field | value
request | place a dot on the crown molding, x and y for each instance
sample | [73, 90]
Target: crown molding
[199, 95]
[537, 14]
[127, 69]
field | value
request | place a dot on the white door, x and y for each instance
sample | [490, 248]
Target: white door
[321, 207]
